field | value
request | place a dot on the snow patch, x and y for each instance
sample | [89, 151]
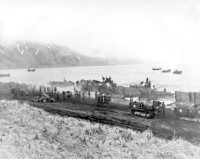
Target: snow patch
[27, 47]
[48, 46]
[78, 57]
[54, 47]
[24, 42]
[2, 43]
[19, 49]
[63, 48]
[36, 52]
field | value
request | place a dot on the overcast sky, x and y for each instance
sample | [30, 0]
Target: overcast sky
[164, 30]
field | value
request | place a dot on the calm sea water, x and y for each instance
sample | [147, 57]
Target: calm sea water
[125, 75]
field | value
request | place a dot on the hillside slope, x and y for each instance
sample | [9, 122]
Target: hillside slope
[28, 54]
[28, 132]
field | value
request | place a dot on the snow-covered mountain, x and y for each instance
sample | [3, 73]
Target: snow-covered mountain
[27, 54]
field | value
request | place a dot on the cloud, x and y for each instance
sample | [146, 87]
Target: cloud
[167, 31]
[97, 51]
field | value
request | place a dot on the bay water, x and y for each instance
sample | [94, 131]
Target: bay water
[124, 75]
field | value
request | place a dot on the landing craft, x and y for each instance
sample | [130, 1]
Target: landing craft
[4, 75]
[156, 68]
[166, 71]
[177, 72]
[31, 70]
[63, 83]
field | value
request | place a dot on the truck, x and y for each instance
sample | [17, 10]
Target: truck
[186, 112]
[187, 105]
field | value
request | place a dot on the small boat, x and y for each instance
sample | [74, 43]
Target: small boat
[31, 70]
[166, 71]
[177, 72]
[4, 75]
[61, 84]
[157, 68]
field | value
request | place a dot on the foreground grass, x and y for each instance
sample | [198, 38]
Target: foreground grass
[28, 132]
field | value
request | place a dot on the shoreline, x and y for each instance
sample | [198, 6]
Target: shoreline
[46, 67]
[67, 66]
[77, 66]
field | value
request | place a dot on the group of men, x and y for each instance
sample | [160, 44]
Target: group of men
[53, 93]
[161, 109]
[107, 79]
[46, 89]
[79, 94]
[147, 83]
[98, 94]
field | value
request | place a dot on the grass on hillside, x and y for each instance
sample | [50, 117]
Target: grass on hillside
[28, 132]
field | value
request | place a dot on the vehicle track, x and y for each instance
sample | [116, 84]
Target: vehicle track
[103, 116]
[110, 106]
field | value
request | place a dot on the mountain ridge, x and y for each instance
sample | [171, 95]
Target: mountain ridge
[22, 54]
[28, 54]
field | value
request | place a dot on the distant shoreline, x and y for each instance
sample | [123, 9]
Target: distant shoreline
[47, 67]
[67, 66]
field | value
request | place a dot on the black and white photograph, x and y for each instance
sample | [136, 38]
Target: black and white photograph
[99, 79]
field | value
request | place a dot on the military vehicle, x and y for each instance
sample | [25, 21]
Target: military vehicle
[187, 105]
[144, 110]
[104, 99]
[43, 99]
